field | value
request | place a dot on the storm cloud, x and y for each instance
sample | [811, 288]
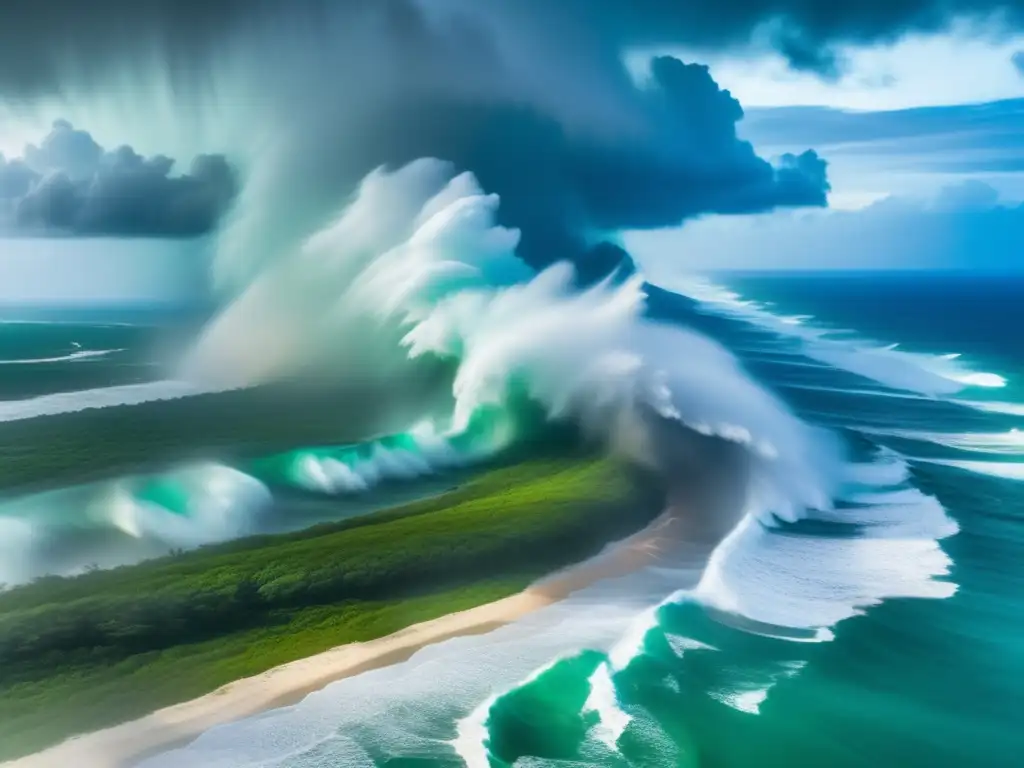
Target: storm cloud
[70, 185]
[555, 185]
[534, 98]
[35, 36]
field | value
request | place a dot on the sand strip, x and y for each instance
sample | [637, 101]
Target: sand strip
[127, 744]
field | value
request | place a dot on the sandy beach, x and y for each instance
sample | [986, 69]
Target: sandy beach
[125, 745]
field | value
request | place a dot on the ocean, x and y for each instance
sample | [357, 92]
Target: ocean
[885, 630]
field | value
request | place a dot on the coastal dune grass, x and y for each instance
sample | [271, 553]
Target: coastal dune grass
[84, 653]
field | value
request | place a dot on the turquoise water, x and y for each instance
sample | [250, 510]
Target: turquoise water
[887, 631]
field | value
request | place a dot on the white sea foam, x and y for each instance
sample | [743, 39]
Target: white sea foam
[183, 508]
[220, 503]
[1010, 442]
[1003, 469]
[887, 364]
[680, 644]
[991, 406]
[83, 354]
[472, 734]
[603, 700]
[780, 576]
[428, 452]
[749, 696]
[888, 469]
[743, 700]
[902, 513]
[416, 267]
[798, 581]
[402, 711]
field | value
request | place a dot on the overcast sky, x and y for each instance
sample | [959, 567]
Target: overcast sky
[115, 168]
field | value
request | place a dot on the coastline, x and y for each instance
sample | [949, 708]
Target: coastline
[124, 745]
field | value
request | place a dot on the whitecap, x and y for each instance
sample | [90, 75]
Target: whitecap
[1002, 469]
[84, 354]
[887, 364]
[1010, 442]
[105, 397]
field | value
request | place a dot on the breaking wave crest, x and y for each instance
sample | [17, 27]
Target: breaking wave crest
[353, 469]
[67, 531]
[769, 579]
[416, 270]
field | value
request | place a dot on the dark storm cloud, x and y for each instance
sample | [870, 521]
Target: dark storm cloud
[101, 30]
[805, 31]
[533, 97]
[70, 185]
[65, 150]
[554, 185]
[16, 179]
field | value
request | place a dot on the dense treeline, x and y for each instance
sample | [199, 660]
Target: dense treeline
[511, 525]
[77, 447]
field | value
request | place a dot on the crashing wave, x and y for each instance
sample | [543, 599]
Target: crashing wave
[357, 468]
[415, 269]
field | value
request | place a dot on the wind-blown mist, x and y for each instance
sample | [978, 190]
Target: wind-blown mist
[416, 270]
[413, 308]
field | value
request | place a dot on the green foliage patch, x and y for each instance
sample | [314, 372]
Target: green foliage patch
[77, 654]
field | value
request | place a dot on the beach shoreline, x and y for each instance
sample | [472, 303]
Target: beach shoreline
[127, 744]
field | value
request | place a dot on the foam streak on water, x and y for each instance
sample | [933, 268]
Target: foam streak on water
[106, 397]
[887, 364]
[84, 354]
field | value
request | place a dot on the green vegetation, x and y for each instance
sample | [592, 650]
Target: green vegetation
[93, 444]
[84, 653]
